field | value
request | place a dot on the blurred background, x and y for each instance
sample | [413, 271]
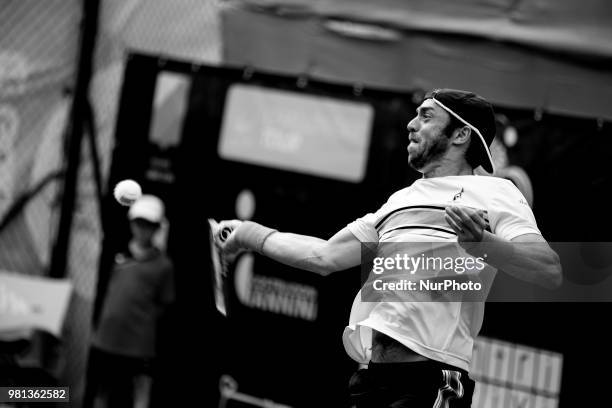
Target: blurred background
[291, 113]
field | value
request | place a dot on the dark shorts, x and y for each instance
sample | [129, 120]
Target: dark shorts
[423, 384]
[112, 376]
[113, 365]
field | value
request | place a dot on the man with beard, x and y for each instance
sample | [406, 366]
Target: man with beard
[418, 352]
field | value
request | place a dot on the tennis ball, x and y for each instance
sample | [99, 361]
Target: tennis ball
[126, 192]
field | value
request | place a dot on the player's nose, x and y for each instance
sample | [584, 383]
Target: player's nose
[412, 125]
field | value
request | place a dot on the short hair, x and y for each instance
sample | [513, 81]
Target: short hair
[472, 154]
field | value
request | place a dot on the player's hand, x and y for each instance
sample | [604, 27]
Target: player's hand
[468, 223]
[225, 237]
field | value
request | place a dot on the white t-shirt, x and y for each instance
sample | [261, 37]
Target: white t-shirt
[442, 331]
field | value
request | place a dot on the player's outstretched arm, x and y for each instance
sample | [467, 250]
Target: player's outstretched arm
[527, 257]
[342, 251]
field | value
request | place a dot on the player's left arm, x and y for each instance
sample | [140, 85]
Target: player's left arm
[527, 257]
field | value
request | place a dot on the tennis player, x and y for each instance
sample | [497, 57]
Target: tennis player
[418, 352]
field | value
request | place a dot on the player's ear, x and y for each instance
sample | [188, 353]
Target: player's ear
[461, 135]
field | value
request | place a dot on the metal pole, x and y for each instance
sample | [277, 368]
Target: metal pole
[74, 136]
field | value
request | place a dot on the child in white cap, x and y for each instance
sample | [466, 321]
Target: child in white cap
[140, 290]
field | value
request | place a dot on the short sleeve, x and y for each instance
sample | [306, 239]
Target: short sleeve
[512, 215]
[364, 228]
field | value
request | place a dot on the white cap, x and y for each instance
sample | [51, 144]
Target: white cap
[147, 207]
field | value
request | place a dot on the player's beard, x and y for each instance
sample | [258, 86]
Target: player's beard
[428, 150]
